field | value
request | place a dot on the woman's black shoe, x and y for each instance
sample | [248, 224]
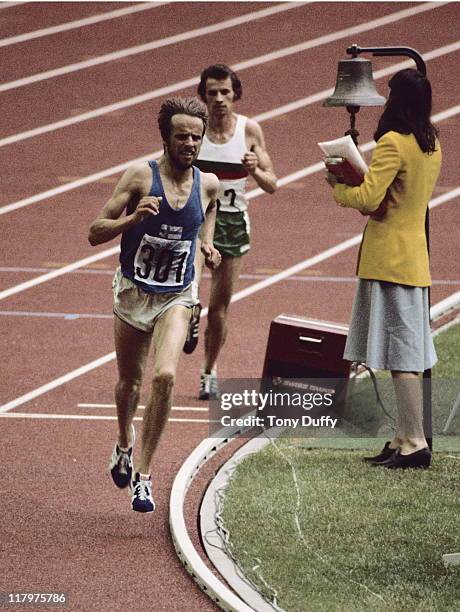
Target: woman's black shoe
[419, 459]
[382, 456]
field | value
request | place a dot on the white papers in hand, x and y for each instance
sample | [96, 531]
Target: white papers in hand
[344, 147]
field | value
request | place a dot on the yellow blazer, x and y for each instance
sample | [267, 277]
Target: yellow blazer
[394, 246]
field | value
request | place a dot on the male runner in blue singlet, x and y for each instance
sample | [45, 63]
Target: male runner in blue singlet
[233, 149]
[167, 203]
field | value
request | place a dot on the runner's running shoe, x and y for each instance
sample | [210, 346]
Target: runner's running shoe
[209, 389]
[142, 500]
[193, 330]
[121, 463]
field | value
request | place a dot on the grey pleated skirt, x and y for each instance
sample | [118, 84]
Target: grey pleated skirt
[389, 328]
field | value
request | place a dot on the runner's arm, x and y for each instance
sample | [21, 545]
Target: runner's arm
[109, 223]
[211, 254]
[257, 161]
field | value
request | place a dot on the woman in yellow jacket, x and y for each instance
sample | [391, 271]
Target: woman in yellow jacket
[390, 328]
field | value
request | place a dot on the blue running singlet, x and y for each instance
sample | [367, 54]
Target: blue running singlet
[157, 254]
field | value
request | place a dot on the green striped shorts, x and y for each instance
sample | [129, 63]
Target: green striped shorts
[232, 234]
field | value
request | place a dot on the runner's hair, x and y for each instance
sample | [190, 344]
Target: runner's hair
[219, 72]
[180, 106]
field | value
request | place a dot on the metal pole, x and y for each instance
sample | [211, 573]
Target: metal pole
[353, 132]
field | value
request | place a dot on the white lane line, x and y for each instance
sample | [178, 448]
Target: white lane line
[327, 254]
[142, 407]
[88, 417]
[14, 269]
[33, 282]
[58, 382]
[245, 276]
[445, 197]
[318, 167]
[75, 316]
[276, 112]
[191, 82]
[378, 74]
[69, 316]
[92, 178]
[79, 23]
[250, 195]
[156, 44]
[4, 5]
[306, 263]
[447, 304]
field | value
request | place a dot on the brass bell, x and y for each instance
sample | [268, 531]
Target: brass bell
[355, 85]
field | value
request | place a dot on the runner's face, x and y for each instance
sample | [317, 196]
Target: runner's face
[219, 96]
[184, 141]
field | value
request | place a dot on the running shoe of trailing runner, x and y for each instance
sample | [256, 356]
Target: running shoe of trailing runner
[121, 463]
[193, 330]
[209, 389]
[141, 490]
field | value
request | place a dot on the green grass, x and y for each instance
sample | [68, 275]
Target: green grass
[447, 345]
[365, 530]
[371, 539]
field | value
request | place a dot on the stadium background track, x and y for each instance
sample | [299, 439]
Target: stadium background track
[64, 526]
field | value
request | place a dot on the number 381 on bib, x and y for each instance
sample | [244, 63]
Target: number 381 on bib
[160, 261]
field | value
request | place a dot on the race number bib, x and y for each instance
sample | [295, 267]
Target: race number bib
[160, 261]
[232, 197]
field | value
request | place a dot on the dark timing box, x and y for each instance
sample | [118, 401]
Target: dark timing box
[303, 348]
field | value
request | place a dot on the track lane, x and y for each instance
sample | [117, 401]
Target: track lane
[117, 49]
[88, 534]
[72, 226]
[139, 138]
[75, 528]
[133, 75]
[123, 104]
[24, 16]
[234, 45]
[78, 23]
[76, 332]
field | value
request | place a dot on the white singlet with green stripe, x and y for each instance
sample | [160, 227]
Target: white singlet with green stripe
[224, 160]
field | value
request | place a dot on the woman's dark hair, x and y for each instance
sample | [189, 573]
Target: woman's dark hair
[408, 109]
[180, 106]
[219, 72]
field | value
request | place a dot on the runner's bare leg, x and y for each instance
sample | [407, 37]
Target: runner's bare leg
[132, 349]
[224, 280]
[168, 340]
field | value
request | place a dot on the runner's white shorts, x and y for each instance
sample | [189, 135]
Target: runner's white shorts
[142, 310]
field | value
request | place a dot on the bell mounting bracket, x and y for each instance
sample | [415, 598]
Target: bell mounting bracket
[354, 51]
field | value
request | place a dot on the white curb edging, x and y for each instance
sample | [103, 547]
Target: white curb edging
[451, 559]
[208, 510]
[203, 576]
[443, 307]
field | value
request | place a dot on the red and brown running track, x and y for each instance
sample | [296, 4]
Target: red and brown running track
[64, 526]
